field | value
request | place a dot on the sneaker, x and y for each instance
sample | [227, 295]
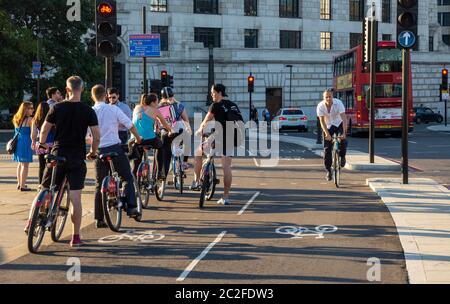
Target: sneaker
[100, 224]
[195, 186]
[329, 175]
[76, 241]
[343, 162]
[224, 201]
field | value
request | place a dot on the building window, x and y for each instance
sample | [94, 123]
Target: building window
[325, 41]
[443, 2]
[289, 8]
[206, 6]
[386, 11]
[444, 19]
[386, 37]
[325, 9]
[158, 5]
[431, 44]
[290, 39]
[251, 7]
[163, 31]
[356, 10]
[355, 39]
[446, 39]
[251, 38]
[209, 36]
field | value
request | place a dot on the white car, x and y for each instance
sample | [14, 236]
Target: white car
[291, 118]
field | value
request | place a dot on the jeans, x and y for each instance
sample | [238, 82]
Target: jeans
[122, 166]
[328, 146]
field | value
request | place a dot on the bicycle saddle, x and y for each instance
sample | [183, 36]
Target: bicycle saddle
[51, 158]
[108, 155]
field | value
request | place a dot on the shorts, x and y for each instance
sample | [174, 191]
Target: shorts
[75, 170]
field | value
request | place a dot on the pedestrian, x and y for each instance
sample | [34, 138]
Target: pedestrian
[218, 111]
[266, 115]
[114, 99]
[54, 96]
[23, 154]
[71, 119]
[109, 118]
[254, 114]
[38, 121]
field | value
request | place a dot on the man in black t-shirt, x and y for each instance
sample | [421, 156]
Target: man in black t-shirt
[71, 120]
[217, 112]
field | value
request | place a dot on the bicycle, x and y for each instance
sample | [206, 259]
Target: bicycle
[49, 211]
[113, 195]
[336, 163]
[177, 168]
[147, 183]
[208, 177]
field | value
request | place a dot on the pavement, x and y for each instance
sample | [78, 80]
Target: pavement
[439, 128]
[421, 214]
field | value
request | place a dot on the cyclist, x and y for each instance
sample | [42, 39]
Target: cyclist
[71, 119]
[144, 117]
[110, 118]
[217, 112]
[331, 113]
[177, 116]
[113, 97]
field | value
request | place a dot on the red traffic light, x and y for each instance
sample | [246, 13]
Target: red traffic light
[163, 74]
[105, 9]
[444, 72]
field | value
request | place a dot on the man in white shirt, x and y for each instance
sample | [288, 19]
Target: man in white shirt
[109, 118]
[331, 113]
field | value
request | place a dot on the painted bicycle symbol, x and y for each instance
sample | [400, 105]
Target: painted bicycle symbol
[132, 235]
[300, 232]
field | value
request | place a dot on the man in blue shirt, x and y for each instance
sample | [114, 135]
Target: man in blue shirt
[113, 98]
[54, 96]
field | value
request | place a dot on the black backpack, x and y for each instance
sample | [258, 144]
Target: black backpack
[232, 113]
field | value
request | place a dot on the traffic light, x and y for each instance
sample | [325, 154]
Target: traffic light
[171, 81]
[106, 27]
[251, 83]
[444, 79]
[164, 78]
[407, 13]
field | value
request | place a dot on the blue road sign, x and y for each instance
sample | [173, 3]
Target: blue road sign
[147, 45]
[36, 68]
[407, 39]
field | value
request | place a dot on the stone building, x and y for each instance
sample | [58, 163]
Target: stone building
[262, 37]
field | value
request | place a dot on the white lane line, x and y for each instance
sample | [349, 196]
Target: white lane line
[200, 257]
[412, 142]
[249, 203]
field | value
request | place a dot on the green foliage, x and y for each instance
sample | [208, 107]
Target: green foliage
[66, 48]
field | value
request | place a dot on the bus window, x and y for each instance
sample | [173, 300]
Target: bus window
[349, 100]
[387, 90]
[389, 60]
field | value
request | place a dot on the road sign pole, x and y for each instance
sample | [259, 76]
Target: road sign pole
[405, 120]
[144, 59]
[38, 82]
[373, 58]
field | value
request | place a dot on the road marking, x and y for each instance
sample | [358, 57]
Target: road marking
[194, 263]
[412, 142]
[256, 163]
[249, 203]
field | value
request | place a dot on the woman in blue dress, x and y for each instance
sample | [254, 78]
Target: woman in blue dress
[23, 154]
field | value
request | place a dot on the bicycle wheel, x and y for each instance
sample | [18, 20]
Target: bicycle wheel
[160, 188]
[39, 218]
[212, 184]
[180, 175]
[143, 181]
[112, 207]
[205, 187]
[336, 169]
[61, 214]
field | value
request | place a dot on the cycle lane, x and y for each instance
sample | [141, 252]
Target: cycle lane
[250, 251]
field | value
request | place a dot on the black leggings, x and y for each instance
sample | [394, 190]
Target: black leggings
[137, 152]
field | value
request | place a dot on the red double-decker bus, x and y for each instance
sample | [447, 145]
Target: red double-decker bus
[351, 81]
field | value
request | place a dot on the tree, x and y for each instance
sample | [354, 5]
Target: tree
[66, 47]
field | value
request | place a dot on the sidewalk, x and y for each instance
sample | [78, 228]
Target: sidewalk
[15, 206]
[421, 212]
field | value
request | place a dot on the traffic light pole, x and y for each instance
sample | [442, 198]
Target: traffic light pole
[144, 24]
[405, 110]
[109, 72]
[373, 58]
[250, 107]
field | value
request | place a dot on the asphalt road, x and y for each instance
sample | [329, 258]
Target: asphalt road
[244, 245]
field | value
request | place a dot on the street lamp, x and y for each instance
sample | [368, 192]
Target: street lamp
[290, 84]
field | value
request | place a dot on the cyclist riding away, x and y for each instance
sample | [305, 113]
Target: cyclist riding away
[331, 113]
[110, 117]
[71, 119]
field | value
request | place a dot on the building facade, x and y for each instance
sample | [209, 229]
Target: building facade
[262, 37]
